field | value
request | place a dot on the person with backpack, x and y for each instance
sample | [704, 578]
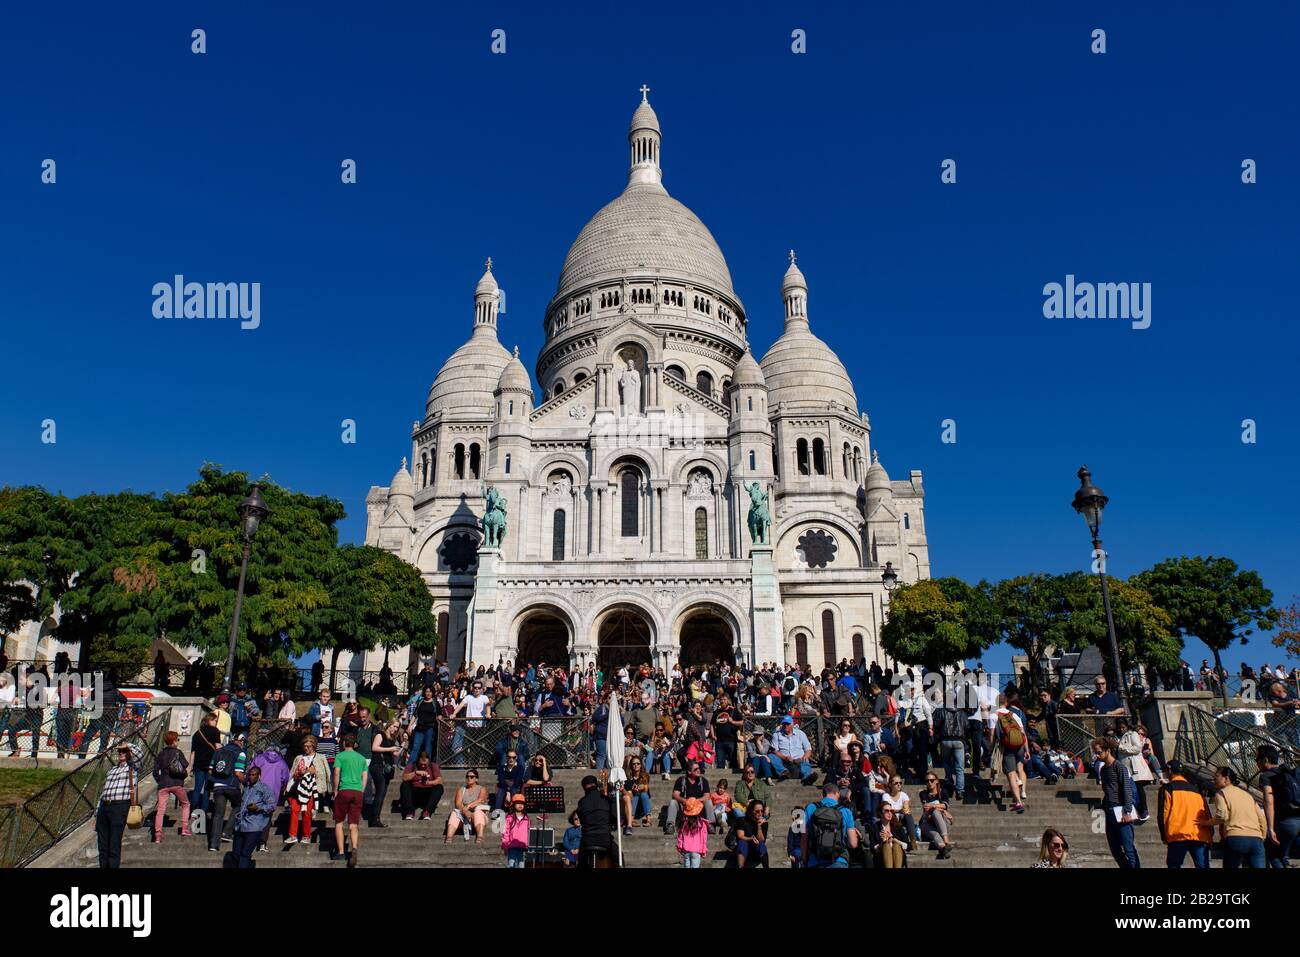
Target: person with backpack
[1014, 743]
[170, 770]
[226, 779]
[1281, 787]
[829, 831]
[243, 709]
[1186, 825]
[949, 730]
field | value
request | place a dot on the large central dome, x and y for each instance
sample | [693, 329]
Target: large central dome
[644, 232]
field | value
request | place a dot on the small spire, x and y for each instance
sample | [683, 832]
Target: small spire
[516, 352]
[792, 257]
[403, 463]
[875, 457]
[488, 264]
[644, 90]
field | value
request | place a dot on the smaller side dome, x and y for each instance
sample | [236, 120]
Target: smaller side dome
[877, 479]
[793, 278]
[747, 373]
[644, 118]
[401, 483]
[514, 377]
[487, 285]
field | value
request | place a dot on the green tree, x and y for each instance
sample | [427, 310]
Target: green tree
[376, 600]
[937, 622]
[1033, 615]
[1143, 630]
[1210, 599]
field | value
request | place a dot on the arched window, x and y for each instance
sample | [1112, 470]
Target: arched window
[442, 628]
[511, 407]
[752, 466]
[857, 464]
[701, 533]
[677, 372]
[776, 463]
[828, 638]
[578, 377]
[819, 456]
[801, 455]
[907, 520]
[751, 403]
[475, 460]
[704, 382]
[424, 470]
[800, 649]
[629, 488]
[847, 470]
[507, 463]
[559, 387]
[557, 536]
[859, 647]
[458, 461]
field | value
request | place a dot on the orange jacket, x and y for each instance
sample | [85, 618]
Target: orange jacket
[1183, 814]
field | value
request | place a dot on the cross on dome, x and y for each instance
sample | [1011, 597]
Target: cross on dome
[644, 90]
[792, 257]
[489, 264]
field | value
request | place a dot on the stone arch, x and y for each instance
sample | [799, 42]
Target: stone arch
[700, 460]
[624, 631]
[727, 628]
[833, 642]
[626, 335]
[548, 463]
[543, 631]
[426, 549]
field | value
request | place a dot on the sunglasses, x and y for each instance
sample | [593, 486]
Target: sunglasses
[1054, 845]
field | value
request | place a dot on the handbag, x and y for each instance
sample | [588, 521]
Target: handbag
[135, 813]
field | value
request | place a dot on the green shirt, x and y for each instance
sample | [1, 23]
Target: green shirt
[350, 766]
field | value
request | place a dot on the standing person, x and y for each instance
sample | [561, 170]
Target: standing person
[514, 833]
[256, 806]
[727, 724]
[949, 730]
[1130, 749]
[693, 835]
[1117, 804]
[424, 724]
[274, 773]
[308, 777]
[1281, 787]
[383, 765]
[321, 710]
[350, 771]
[226, 778]
[596, 817]
[170, 770]
[1241, 823]
[1186, 825]
[829, 831]
[204, 744]
[243, 710]
[115, 800]
[1014, 744]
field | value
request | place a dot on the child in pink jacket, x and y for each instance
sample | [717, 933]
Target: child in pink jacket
[693, 835]
[514, 836]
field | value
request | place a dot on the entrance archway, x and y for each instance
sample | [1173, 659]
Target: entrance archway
[543, 637]
[623, 637]
[707, 635]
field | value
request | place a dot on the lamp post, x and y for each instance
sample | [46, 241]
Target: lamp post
[1089, 501]
[888, 578]
[251, 512]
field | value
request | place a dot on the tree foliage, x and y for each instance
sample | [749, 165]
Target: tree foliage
[937, 622]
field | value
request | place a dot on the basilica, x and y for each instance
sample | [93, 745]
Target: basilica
[619, 493]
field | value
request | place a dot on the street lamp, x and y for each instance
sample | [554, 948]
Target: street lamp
[888, 578]
[1089, 501]
[251, 512]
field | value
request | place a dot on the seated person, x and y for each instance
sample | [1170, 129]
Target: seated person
[751, 836]
[539, 772]
[721, 799]
[889, 840]
[421, 789]
[470, 810]
[636, 794]
[935, 817]
[510, 780]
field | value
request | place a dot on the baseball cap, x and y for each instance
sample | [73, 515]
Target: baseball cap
[787, 720]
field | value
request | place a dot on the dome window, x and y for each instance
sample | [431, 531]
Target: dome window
[801, 456]
[458, 461]
[475, 460]
[507, 463]
[677, 372]
[704, 382]
[819, 456]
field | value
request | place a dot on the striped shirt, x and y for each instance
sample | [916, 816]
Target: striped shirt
[122, 778]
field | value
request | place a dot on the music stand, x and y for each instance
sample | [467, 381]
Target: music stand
[542, 799]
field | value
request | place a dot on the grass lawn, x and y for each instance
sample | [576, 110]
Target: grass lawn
[18, 784]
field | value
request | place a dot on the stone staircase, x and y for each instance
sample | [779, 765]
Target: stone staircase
[985, 832]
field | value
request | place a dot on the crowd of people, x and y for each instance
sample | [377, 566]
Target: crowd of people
[887, 764]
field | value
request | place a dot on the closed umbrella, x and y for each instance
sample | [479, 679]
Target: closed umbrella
[614, 757]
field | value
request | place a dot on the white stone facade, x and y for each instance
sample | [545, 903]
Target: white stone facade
[627, 511]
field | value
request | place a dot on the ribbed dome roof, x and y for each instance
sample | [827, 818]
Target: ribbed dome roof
[515, 376]
[747, 372]
[877, 479]
[646, 231]
[401, 483]
[469, 377]
[645, 118]
[799, 366]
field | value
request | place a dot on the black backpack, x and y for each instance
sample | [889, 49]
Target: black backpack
[827, 834]
[221, 774]
[1286, 791]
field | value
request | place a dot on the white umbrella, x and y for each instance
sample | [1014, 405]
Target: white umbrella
[614, 758]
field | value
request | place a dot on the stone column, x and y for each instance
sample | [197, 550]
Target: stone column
[482, 644]
[769, 629]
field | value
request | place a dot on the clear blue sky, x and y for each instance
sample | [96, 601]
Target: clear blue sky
[1120, 167]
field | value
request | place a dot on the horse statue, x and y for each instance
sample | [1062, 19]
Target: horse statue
[760, 519]
[494, 518]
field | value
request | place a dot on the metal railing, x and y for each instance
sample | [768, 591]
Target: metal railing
[565, 741]
[1206, 741]
[206, 680]
[29, 829]
[59, 732]
[1078, 731]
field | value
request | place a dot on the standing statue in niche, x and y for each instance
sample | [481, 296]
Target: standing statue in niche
[629, 388]
[760, 519]
[494, 518]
